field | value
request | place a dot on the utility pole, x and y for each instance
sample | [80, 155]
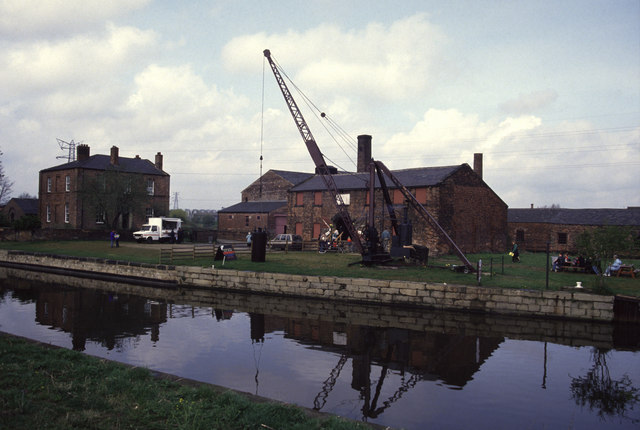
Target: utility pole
[175, 200]
[71, 147]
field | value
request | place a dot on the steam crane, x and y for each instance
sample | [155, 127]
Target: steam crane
[321, 166]
[371, 250]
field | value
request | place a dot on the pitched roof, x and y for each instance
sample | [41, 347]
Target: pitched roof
[103, 162]
[418, 177]
[623, 217]
[294, 177]
[255, 206]
[28, 206]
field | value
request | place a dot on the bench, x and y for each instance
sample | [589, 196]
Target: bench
[626, 270]
[575, 269]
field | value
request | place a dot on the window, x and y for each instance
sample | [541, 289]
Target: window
[421, 195]
[230, 216]
[562, 238]
[398, 197]
[246, 220]
[48, 185]
[148, 212]
[346, 199]
[317, 198]
[67, 183]
[48, 213]
[66, 213]
[519, 235]
[299, 228]
[317, 230]
[299, 199]
[100, 216]
[150, 186]
[258, 217]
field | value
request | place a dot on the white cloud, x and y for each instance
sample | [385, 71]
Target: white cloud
[529, 103]
[386, 62]
[59, 18]
[41, 67]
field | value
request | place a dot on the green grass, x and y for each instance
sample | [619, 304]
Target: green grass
[42, 387]
[530, 273]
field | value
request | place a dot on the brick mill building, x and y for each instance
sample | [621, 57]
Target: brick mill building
[63, 205]
[469, 211]
[532, 228]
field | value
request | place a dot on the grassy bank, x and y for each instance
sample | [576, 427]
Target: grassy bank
[498, 270]
[43, 387]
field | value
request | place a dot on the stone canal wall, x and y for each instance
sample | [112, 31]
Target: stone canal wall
[500, 301]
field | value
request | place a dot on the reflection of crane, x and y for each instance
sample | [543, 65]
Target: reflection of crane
[328, 384]
[371, 249]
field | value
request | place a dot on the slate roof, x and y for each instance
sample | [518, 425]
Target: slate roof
[418, 177]
[28, 206]
[103, 162]
[622, 217]
[294, 177]
[255, 206]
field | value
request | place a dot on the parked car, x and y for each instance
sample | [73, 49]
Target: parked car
[289, 241]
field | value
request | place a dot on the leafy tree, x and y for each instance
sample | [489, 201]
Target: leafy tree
[27, 222]
[603, 243]
[115, 194]
[5, 184]
[179, 213]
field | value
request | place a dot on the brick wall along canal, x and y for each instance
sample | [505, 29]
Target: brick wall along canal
[398, 367]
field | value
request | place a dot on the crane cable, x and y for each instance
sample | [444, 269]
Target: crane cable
[318, 112]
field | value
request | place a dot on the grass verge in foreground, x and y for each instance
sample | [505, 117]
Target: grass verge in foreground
[42, 387]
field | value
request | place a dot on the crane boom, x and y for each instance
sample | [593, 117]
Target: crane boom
[321, 166]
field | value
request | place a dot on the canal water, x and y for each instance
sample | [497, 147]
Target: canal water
[396, 367]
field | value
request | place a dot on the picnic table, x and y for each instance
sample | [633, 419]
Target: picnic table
[626, 270]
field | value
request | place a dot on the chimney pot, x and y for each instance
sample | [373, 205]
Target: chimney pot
[477, 163]
[83, 152]
[114, 155]
[364, 152]
[159, 161]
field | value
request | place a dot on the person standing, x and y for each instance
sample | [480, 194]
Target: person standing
[249, 240]
[113, 237]
[515, 253]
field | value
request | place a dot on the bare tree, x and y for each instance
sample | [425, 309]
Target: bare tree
[5, 184]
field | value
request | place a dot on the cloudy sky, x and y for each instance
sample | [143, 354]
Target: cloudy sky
[548, 91]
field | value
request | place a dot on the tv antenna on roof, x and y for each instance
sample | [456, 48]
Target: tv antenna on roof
[71, 147]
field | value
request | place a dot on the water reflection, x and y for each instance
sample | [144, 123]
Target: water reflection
[395, 367]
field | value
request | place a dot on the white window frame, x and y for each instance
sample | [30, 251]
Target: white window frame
[66, 213]
[48, 185]
[48, 213]
[67, 183]
[151, 185]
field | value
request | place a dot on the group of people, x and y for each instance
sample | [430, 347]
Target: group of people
[565, 260]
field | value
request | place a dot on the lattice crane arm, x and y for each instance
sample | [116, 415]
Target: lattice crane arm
[317, 157]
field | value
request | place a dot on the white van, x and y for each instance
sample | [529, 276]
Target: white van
[158, 229]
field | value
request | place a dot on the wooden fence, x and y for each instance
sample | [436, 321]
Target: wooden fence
[186, 252]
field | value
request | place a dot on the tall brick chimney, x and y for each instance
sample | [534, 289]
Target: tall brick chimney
[159, 161]
[82, 152]
[364, 152]
[477, 163]
[114, 155]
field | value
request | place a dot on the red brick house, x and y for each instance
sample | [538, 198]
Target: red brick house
[532, 228]
[63, 202]
[264, 205]
[17, 208]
